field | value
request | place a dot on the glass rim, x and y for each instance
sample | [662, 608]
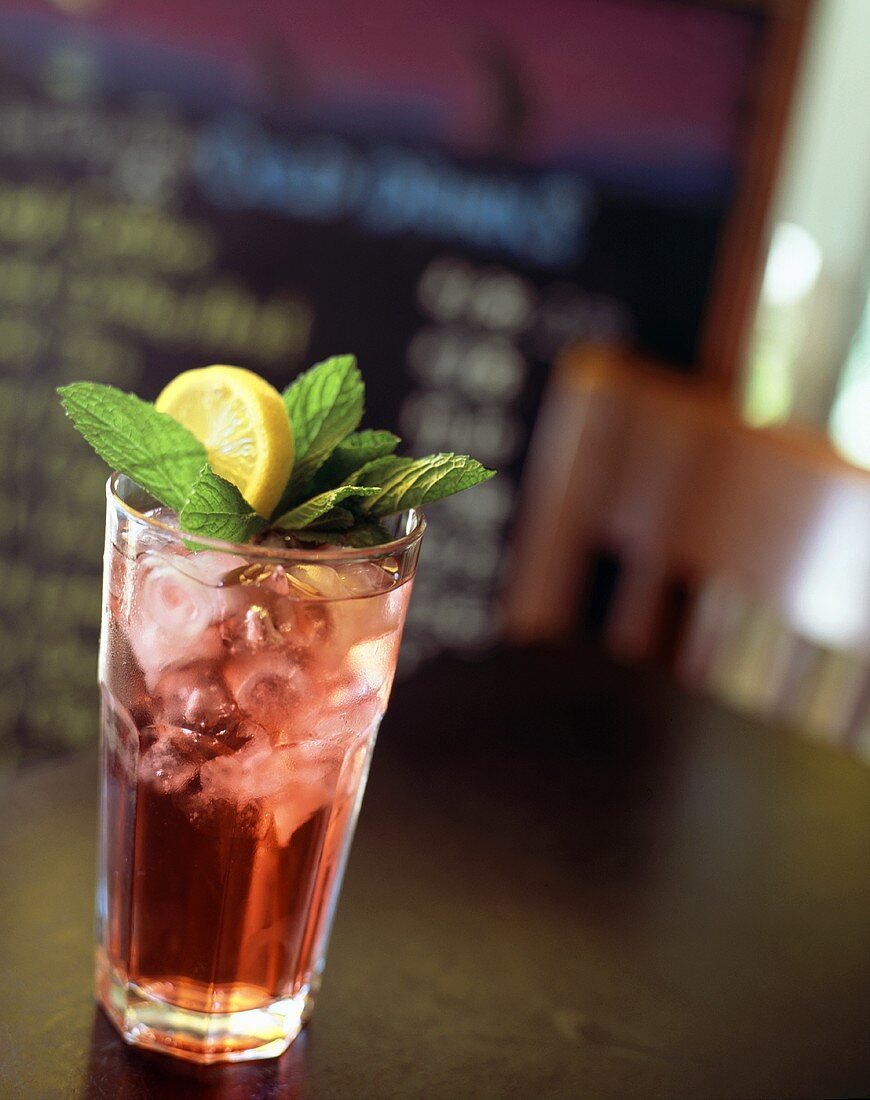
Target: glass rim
[394, 548]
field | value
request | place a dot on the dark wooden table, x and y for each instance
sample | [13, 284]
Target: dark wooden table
[570, 880]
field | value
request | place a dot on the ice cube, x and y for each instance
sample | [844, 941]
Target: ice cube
[282, 787]
[354, 621]
[271, 688]
[384, 613]
[265, 576]
[174, 612]
[357, 599]
[365, 578]
[349, 710]
[139, 538]
[343, 581]
[314, 771]
[272, 615]
[311, 581]
[294, 805]
[372, 661]
[302, 623]
[195, 697]
[241, 775]
[167, 516]
[273, 788]
[210, 567]
[253, 630]
[171, 757]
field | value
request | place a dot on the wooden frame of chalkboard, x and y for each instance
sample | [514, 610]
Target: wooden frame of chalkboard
[739, 264]
[724, 333]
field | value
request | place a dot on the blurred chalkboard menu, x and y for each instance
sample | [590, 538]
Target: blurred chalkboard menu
[451, 191]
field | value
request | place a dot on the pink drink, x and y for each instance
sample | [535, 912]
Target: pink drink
[242, 693]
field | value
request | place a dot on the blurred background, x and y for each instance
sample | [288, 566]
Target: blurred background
[617, 249]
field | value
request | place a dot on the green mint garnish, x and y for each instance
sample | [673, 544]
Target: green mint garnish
[362, 535]
[303, 515]
[342, 482]
[128, 433]
[352, 453]
[214, 507]
[336, 519]
[325, 404]
[413, 482]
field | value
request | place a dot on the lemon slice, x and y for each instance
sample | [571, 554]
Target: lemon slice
[242, 422]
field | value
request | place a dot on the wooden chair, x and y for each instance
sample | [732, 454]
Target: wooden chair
[741, 555]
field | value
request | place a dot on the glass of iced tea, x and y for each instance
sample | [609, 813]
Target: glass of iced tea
[242, 688]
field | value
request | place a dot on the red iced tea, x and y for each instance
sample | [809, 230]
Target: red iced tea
[241, 699]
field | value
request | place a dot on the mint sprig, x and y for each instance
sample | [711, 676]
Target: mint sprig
[412, 482]
[362, 535]
[336, 519]
[134, 438]
[342, 483]
[325, 404]
[303, 515]
[352, 453]
[214, 507]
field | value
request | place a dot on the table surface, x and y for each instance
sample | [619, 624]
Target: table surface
[570, 879]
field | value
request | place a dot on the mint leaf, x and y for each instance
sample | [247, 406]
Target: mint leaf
[215, 508]
[366, 534]
[303, 515]
[324, 404]
[412, 482]
[341, 481]
[354, 451]
[336, 519]
[128, 433]
[361, 535]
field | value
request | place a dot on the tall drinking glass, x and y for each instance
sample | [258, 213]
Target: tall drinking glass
[242, 688]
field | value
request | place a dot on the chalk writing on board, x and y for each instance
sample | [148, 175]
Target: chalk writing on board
[162, 209]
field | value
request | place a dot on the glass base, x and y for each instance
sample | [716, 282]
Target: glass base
[144, 1019]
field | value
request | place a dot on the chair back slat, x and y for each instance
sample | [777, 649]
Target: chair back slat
[729, 540]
